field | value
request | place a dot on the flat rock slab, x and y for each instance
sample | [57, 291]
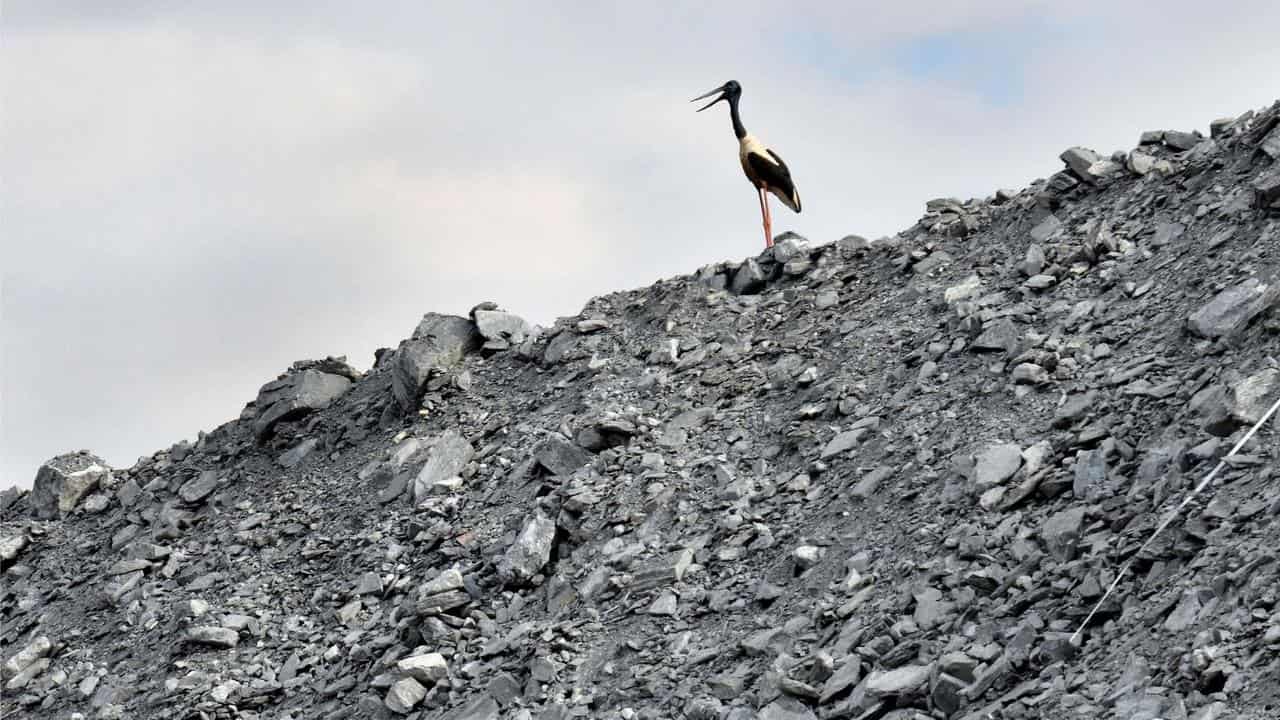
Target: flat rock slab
[996, 464]
[1232, 309]
[213, 636]
[199, 487]
[786, 708]
[903, 681]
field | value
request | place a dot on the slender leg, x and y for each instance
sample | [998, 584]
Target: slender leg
[764, 216]
[768, 221]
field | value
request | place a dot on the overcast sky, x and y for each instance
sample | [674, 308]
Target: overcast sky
[195, 194]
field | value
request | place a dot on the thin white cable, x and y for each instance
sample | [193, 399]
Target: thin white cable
[1075, 637]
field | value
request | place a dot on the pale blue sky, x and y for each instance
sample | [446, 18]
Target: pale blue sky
[198, 193]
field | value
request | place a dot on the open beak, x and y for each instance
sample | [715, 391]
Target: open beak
[709, 94]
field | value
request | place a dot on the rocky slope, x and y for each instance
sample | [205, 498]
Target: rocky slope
[857, 480]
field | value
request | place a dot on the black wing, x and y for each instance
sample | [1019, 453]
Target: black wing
[776, 176]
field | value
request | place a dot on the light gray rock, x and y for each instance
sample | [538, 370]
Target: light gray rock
[842, 442]
[39, 647]
[996, 464]
[1253, 396]
[501, 330]
[448, 455]
[905, 681]
[61, 482]
[404, 695]
[428, 668]
[11, 546]
[1061, 533]
[998, 336]
[1090, 475]
[213, 635]
[1232, 309]
[531, 550]
[295, 455]
[437, 345]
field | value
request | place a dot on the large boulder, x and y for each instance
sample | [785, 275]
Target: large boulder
[438, 343]
[64, 480]
[294, 395]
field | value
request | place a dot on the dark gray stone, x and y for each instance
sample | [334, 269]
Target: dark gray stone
[295, 395]
[1061, 533]
[748, 279]
[437, 345]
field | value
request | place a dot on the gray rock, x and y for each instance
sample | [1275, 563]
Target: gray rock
[748, 279]
[38, 648]
[1030, 374]
[1185, 613]
[1046, 229]
[786, 708]
[403, 696]
[1033, 261]
[996, 464]
[213, 635]
[842, 442]
[61, 482]
[295, 395]
[437, 345]
[1232, 309]
[998, 336]
[1090, 475]
[1179, 140]
[559, 457]
[1253, 396]
[291, 457]
[905, 681]
[199, 487]
[11, 546]
[531, 550]
[448, 455]
[483, 708]
[1061, 533]
[501, 330]
[428, 668]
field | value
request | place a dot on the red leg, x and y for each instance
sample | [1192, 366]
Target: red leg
[768, 221]
[764, 216]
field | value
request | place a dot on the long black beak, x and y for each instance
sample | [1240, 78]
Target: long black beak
[709, 94]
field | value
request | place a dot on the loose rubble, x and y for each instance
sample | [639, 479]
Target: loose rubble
[883, 480]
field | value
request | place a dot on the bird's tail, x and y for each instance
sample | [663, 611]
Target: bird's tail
[792, 201]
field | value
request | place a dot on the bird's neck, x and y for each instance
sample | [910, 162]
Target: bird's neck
[738, 129]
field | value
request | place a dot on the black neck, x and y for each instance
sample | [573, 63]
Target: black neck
[738, 130]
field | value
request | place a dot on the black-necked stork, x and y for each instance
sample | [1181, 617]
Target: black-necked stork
[764, 168]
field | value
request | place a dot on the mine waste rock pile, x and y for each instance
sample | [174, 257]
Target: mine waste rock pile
[878, 480]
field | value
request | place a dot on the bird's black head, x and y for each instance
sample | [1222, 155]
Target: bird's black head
[730, 91]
